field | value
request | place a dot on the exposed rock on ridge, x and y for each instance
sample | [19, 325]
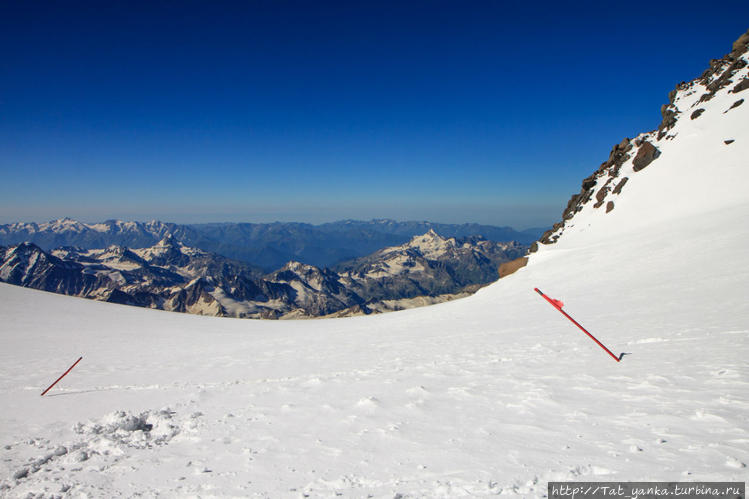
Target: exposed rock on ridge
[726, 74]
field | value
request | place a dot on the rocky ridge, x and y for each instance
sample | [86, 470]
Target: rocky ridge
[729, 74]
[428, 265]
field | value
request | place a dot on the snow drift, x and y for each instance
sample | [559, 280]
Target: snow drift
[494, 394]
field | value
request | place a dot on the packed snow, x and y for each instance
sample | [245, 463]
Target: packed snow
[494, 394]
[491, 394]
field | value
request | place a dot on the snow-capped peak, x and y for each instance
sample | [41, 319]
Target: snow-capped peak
[166, 251]
[431, 244]
[299, 268]
[63, 225]
[168, 241]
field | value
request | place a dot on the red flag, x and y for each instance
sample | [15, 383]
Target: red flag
[557, 303]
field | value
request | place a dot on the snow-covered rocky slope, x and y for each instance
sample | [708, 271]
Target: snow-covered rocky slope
[433, 264]
[175, 277]
[494, 394]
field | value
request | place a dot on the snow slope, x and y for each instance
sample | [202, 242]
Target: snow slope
[494, 394]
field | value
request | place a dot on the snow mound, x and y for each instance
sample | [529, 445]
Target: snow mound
[100, 446]
[121, 428]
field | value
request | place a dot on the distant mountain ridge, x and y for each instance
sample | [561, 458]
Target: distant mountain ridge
[268, 246]
[433, 265]
[172, 276]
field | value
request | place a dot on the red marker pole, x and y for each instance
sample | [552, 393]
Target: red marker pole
[554, 303]
[63, 375]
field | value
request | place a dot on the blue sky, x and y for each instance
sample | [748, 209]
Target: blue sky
[489, 112]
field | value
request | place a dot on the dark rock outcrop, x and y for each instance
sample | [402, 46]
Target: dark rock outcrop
[619, 154]
[620, 185]
[602, 193]
[669, 114]
[742, 85]
[645, 155]
[727, 67]
[736, 104]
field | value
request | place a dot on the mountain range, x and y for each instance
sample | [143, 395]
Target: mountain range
[172, 276]
[268, 246]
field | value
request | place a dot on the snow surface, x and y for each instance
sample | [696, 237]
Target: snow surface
[494, 394]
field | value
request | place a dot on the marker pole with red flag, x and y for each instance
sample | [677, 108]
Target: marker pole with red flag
[63, 375]
[558, 305]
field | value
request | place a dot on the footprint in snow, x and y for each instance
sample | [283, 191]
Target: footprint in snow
[732, 462]
[419, 391]
[701, 415]
[368, 403]
[312, 382]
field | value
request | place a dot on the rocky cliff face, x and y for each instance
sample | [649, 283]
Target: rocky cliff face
[27, 265]
[316, 292]
[167, 276]
[727, 77]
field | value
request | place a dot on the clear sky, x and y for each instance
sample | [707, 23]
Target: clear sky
[489, 112]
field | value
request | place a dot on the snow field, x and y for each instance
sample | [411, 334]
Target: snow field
[492, 394]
